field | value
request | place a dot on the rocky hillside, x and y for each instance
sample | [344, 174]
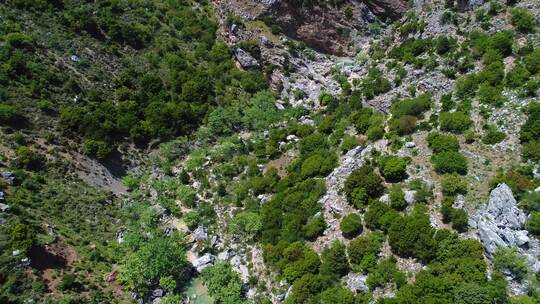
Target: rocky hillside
[293, 151]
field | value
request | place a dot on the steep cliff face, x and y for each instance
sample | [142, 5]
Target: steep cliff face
[392, 9]
[324, 27]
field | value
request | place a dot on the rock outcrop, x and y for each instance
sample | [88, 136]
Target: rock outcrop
[204, 261]
[334, 201]
[332, 29]
[245, 59]
[501, 224]
[392, 9]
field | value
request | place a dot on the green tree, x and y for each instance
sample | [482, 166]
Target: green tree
[262, 111]
[245, 224]
[393, 168]
[365, 178]
[334, 261]
[351, 225]
[450, 162]
[397, 198]
[337, 295]
[523, 20]
[533, 223]
[456, 122]
[363, 251]
[453, 184]
[471, 293]
[155, 258]
[314, 227]
[441, 143]
[224, 284]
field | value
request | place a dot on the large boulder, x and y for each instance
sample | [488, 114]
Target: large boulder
[245, 59]
[204, 261]
[357, 282]
[500, 223]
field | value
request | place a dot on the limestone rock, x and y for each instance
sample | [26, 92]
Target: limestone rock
[200, 234]
[357, 282]
[501, 224]
[9, 177]
[4, 207]
[205, 261]
[245, 59]
[410, 196]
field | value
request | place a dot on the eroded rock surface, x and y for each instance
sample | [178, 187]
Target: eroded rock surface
[501, 224]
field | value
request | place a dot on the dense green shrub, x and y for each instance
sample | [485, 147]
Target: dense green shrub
[245, 224]
[493, 136]
[491, 95]
[365, 178]
[375, 84]
[413, 106]
[363, 251]
[531, 150]
[362, 118]
[384, 273]
[305, 289]
[393, 168]
[530, 132]
[318, 164]
[397, 198]
[517, 77]
[456, 122]
[312, 143]
[500, 41]
[314, 227]
[284, 216]
[460, 220]
[453, 184]
[337, 295]
[403, 125]
[351, 225]
[334, 261]
[349, 142]
[492, 74]
[531, 201]
[29, 159]
[410, 49]
[96, 148]
[224, 284]
[458, 217]
[523, 20]
[509, 259]
[466, 86]
[412, 236]
[291, 260]
[359, 198]
[10, 115]
[441, 143]
[155, 258]
[444, 44]
[449, 162]
[532, 61]
[21, 236]
[533, 223]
